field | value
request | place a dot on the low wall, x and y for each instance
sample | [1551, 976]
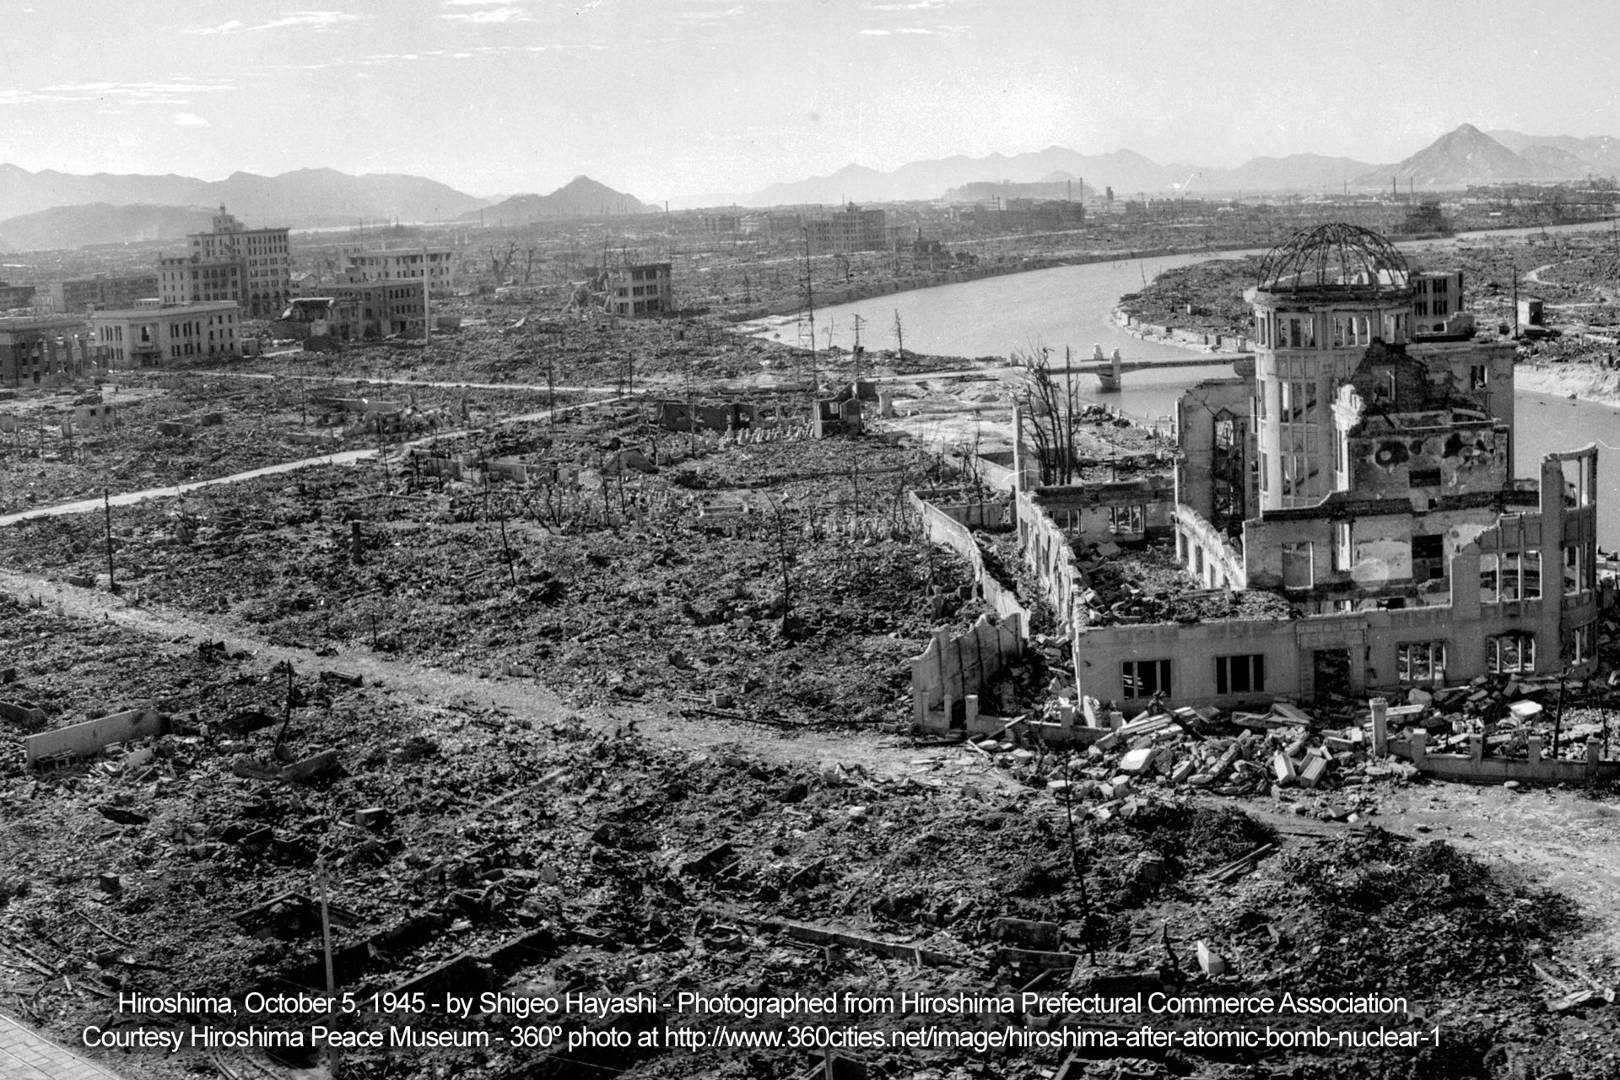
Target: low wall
[1476, 768]
[953, 667]
[89, 738]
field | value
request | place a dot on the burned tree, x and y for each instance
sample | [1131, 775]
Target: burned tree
[1049, 409]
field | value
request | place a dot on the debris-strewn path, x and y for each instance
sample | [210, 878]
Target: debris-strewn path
[522, 698]
[25, 1055]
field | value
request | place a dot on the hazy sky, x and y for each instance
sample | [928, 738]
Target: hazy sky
[664, 98]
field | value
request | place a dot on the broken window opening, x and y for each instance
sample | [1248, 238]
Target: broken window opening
[1144, 678]
[1420, 662]
[1126, 520]
[1511, 653]
[1240, 674]
[1298, 572]
[1580, 644]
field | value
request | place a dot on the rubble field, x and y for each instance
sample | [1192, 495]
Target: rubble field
[1574, 273]
[469, 848]
[667, 584]
[574, 350]
[169, 431]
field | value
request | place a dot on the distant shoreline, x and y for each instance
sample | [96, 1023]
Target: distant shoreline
[1583, 381]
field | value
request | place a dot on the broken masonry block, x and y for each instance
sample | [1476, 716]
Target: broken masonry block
[311, 767]
[1035, 933]
[347, 678]
[1182, 771]
[1283, 766]
[1137, 761]
[373, 818]
[711, 861]
[1314, 770]
[22, 713]
[1209, 961]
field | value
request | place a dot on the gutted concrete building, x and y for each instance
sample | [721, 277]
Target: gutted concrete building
[45, 351]
[1361, 469]
[231, 262]
[640, 290]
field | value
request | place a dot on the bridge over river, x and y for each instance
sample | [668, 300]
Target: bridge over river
[1109, 370]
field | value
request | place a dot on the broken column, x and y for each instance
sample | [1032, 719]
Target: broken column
[1380, 726]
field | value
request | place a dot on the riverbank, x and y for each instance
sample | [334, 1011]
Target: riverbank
[1583, 382]
[867, 290]
[1185, 339]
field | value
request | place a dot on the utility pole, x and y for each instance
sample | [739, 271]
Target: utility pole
[855, 355]
[326, 947]
[106, 505]
[810, 306]
[1514, 264]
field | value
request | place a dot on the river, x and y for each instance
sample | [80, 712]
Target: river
[1072, 306]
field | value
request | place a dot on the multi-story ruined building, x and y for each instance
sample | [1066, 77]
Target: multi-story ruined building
[103, 291]
[1361, 469]
[402, 266]
[231, 262]
[150, 334]
[45, 351]
[640, 290]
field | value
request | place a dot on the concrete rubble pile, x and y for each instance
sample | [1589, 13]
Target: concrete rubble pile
[1324, 771]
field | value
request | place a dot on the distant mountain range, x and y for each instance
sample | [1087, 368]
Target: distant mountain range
[580, 197]
[1458, 158]
[55, 210]
[306, 197]
[61, 210]
[64, 227]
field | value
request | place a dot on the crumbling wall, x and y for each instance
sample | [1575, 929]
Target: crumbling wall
[1206, 553]
[943, 525]
[955, 668]
[1477, 767]
[1050, 557]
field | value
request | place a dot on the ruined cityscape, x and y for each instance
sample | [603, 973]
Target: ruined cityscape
[1037, 617]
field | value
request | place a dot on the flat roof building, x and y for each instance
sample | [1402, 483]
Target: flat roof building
[250, 266]
[103, 291]
[404, 265]
[638, 291]
[153, 335]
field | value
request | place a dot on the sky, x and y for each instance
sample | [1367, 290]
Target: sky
[678, 98]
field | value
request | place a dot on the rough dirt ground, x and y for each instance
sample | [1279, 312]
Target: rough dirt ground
[673, 605]
[519, 821]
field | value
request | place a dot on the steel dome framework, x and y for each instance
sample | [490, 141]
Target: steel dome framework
[1337, 255]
